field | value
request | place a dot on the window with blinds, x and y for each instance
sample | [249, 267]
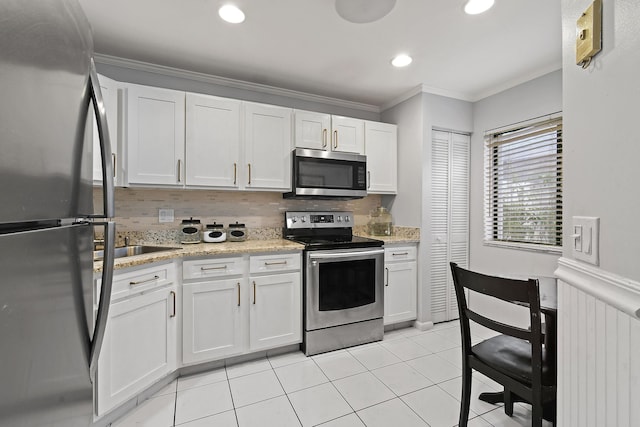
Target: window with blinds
[523, 182]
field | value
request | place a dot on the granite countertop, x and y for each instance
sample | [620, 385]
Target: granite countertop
[272, 244]
[203, 249]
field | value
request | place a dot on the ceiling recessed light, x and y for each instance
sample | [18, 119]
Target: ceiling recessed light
[401, 61]
[474, 7]
[231, 14]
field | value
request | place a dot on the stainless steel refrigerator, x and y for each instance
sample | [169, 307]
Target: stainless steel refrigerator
[49, 338]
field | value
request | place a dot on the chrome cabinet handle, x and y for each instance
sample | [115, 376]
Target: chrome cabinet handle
[335, 140]
[224, 267]
[238, 294]
[105, 144]
[173, 295]
[249, 165]
[235, 173]
[254, 291]
[113, 155]
[179, 170]
[140, 282]
[105, 297]
[387, 281]
[324, 138]
[276, 263]
[399, 253]
[368, 179]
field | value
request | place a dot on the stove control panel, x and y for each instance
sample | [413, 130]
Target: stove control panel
[302, 219]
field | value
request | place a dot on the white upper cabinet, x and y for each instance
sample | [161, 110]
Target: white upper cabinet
[109, 89]
[381, 149]
[347, 134]
[268, 145]
[330, 133]
[212, 141]
[155, 136]
[312, 130]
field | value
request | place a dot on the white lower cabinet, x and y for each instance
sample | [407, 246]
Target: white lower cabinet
[139, 346]
[238, 305]
[275, 316]
[400, 286]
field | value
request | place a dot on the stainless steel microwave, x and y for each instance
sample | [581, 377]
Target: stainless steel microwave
[318, 174]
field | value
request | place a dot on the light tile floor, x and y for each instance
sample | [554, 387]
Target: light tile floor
[411, 378]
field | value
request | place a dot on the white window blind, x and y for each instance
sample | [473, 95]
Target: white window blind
[523, 185]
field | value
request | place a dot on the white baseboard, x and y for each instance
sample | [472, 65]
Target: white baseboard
[423, 326]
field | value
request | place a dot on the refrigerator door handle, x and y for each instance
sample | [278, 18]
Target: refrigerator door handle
[105, 297]
[105, 143]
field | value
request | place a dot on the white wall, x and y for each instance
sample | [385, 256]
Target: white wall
[407, 204]
[602, 146]
[526, 101]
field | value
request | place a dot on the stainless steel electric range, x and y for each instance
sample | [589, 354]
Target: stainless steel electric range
[343, 283]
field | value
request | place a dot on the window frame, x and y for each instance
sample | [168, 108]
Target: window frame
[493, 200]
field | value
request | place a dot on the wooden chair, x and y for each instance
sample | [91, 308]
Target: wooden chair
[516, 358]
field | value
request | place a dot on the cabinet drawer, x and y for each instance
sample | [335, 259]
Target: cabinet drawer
[212, 267]
[278, 262]
[132, 282]
[399, 253]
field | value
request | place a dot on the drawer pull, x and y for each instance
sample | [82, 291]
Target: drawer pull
[140, 282]
[173, 295]
[224, 267]
[276, 263]
[400, 253]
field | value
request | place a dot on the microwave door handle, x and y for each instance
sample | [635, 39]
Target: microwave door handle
[338, 255]
[105, 144]
[105, 296]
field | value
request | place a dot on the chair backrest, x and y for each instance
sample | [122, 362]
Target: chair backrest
[521, 292]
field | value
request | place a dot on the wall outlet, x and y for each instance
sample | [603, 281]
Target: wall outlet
[165, 215]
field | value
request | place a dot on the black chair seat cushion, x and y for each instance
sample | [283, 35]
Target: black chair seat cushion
[512, 357]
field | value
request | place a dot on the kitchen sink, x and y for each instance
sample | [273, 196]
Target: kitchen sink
[126, 251]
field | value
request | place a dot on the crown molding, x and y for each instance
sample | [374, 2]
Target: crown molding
[228, 82]
[424, 89]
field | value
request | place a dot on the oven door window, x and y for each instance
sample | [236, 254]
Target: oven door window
[346, 284]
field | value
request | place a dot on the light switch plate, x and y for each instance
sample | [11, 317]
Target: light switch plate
[586, 239]
[165, 215]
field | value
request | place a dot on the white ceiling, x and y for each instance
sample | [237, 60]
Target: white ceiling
[304, 45]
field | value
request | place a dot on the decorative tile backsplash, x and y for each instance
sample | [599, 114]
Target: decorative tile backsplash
[137, 208]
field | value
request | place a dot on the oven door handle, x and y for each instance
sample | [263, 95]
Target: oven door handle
[339, 255]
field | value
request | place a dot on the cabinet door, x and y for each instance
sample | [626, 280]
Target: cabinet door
[267, 147]
[139, 346]
[400, 298]
[347, 134]
[312, 130]
[381, 148]
[109, 89]
[275, 311]
[155, 136]
[212, 321]
[212, 141]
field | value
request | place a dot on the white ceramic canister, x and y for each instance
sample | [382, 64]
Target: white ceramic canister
[214, 233]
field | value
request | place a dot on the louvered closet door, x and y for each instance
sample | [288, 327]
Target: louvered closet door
[449, 228]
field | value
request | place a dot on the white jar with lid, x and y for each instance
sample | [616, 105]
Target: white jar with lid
[214, 233]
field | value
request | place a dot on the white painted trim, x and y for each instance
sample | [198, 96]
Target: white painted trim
[617, 291]
[424, 89]
[423, 326]
[227, 82]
